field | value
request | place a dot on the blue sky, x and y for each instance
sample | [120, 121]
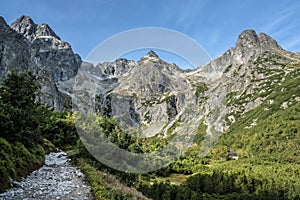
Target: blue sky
[214, 24]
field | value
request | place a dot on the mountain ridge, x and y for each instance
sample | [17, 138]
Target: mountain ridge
[206, 81]
[246, 101]
[26, 26]
[150, 92]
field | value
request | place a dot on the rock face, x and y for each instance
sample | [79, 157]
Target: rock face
[27, 46]
[148, 93]
[14, 50]
[242, 78]
[163, 99]
[25, 26]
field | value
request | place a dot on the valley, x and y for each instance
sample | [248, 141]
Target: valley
[155, 131]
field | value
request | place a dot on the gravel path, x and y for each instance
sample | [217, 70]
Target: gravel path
[57, 179]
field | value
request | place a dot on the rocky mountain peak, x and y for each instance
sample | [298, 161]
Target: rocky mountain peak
[40, 35]
[249, 39]
[25, 26]
[24, 20]
[45, 30]
[30, 47]
[150, 56]
[267, 41]
[249, 46]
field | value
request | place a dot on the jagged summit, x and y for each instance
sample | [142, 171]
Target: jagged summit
[249, 39]
[150, 56]
[26, 26]
[24, 20]
[267, 41]
[38, 33]
[45, 30]
[248, 47]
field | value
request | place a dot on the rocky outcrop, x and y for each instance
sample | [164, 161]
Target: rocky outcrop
[241, 78]
[248, 47]
[14, 50]
[26, 46]
[147, 93]
[26, 27]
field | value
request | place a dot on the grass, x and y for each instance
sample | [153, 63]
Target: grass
[176, 179]
[17, 161]
[103, 185]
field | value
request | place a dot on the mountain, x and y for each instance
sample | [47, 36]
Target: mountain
[151, 94]
[256, 76]
[245, 103]
[165, 100]
[26, 26]
[25, 45]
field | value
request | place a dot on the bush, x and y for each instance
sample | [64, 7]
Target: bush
[7, 169]
[17, 161]
[60, 129]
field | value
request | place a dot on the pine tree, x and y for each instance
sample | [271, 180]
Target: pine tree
[18, 110]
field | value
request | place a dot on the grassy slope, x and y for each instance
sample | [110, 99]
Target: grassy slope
[17, 161]
[269, 149]
[275, 137]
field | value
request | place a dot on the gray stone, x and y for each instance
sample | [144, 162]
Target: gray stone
[26, 46]
[57, 179]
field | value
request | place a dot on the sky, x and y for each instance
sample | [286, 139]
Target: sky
[213, 24]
